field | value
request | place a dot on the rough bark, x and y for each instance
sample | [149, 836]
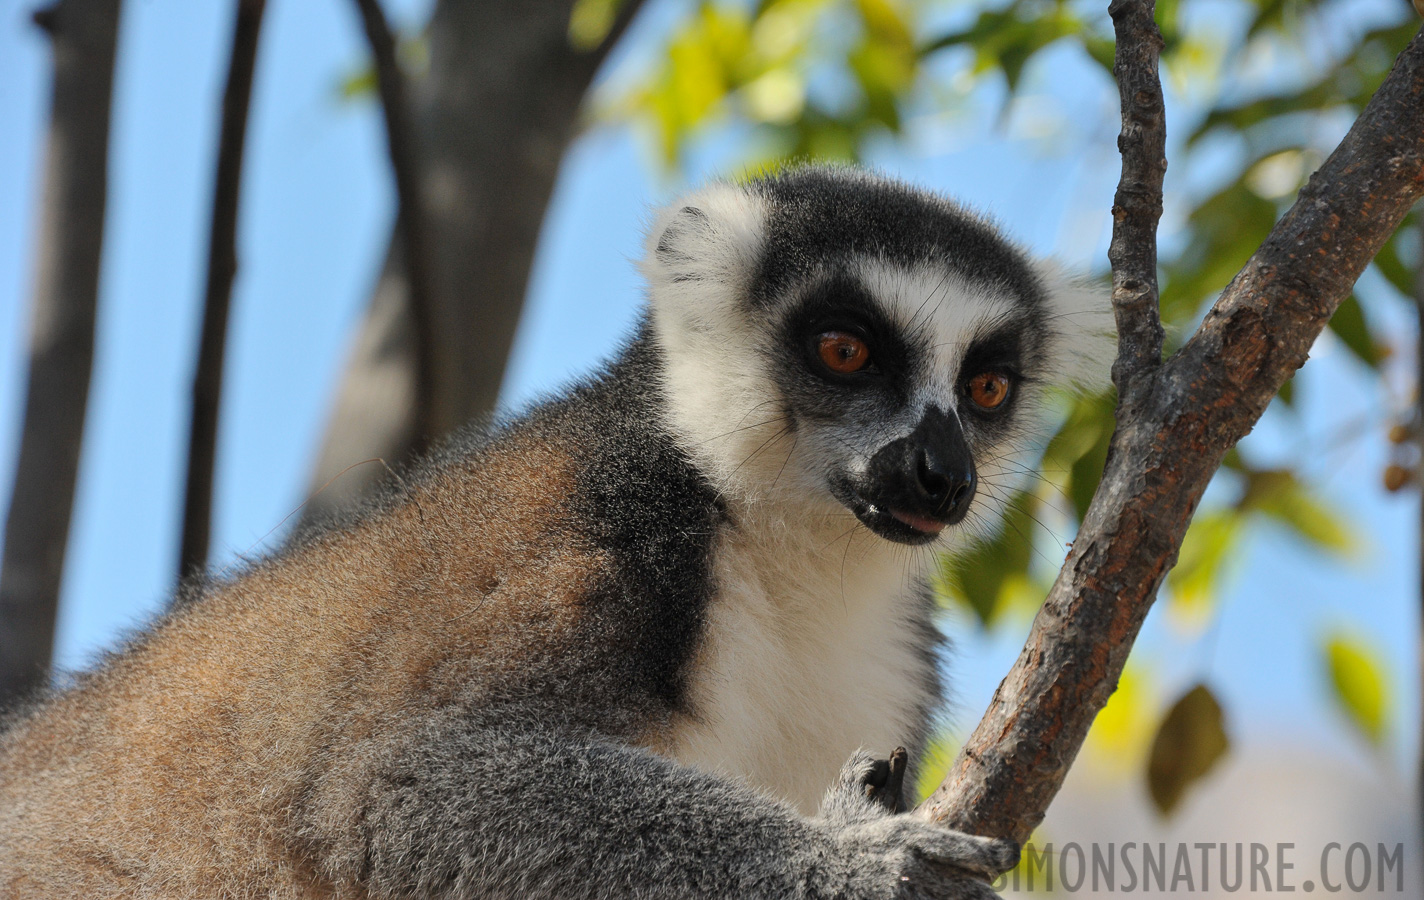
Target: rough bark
[84, 35]
[493, 118]
[222, 270]
[1137, 205]
[1174, 426]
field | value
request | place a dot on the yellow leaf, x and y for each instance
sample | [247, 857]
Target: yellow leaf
[777, 96]
[884, 67]
[1121, 731]
[727, 35]
[359, 84]
[695, 77]
[782, 29]
[887, 21]
[1279, 174]
[590, 22]
[1359, 684]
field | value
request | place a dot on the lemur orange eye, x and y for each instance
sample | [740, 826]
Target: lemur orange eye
[989, 390]
[842, 352]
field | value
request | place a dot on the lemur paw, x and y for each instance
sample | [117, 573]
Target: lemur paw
[902, 855]
[866, 788]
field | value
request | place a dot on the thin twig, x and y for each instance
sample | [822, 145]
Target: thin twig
[411, 220]
[1169, 441]
[1138, 203]
[222, 269]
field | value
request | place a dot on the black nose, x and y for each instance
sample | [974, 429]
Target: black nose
[928, 472]
[945, 482]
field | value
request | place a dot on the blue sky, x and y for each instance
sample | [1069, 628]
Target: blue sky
[317, 206]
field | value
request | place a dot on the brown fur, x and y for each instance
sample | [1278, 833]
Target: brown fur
[287, 678]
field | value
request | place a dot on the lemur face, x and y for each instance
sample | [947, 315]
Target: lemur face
[901, 382]
[851, 342]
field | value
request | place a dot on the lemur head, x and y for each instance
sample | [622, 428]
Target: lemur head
[834, 339]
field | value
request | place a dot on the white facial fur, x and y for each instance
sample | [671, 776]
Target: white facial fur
[724, 402]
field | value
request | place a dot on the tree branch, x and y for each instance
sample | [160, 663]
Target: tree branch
[411, 220]
[222, 269]
[1138, 203]
[84, 35]
[1171, 436]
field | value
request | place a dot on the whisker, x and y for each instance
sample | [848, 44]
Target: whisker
[764, 444]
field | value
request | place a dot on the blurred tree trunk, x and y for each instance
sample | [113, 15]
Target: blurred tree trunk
[493, 118]
[84, 35]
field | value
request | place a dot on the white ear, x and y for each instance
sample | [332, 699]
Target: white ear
[685, 232]
[701, 252]
[1080, 320]
[700, 259]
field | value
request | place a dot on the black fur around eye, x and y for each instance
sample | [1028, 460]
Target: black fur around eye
[843, 336]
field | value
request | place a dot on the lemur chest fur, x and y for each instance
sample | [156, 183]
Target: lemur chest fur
[813, 648]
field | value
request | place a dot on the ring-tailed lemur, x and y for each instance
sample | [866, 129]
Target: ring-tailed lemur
[619, 646]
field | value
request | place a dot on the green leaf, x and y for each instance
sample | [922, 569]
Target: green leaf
[988, 576]
[1190, 742]
[1349, 326]
[1389, 264]
[1350, 82]
[1007, 39]
[1287, 392]
[1225, 229]
[1081, 448]
[1358, 684]
[1166, 13]
[1102, 51]
[886, 21]
[1274, 15]
[1210, 542]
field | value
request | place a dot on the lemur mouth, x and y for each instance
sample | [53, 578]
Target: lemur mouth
[919, 523]
[895, 525]
[898, 525]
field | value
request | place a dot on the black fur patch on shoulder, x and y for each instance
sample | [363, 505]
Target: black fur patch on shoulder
[823, 214]
[643, 502]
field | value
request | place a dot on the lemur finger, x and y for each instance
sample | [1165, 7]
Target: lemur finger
[886, 785]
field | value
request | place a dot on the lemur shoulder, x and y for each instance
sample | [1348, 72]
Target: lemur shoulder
[622, 645]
